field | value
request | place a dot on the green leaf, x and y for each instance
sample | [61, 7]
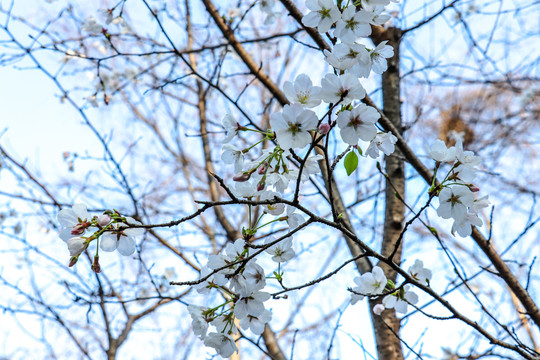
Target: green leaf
[351, 162]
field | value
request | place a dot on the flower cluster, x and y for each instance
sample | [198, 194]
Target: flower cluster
[241, 281]
[375, 283]
[456, 192]
[112, 230]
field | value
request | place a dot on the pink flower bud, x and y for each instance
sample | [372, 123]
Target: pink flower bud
[103, 220]
[378, 309]
[263, 168]
[260, 186]
[474, 188]
[73, 261]
[324, 128]
[78, 229]
[241, 177]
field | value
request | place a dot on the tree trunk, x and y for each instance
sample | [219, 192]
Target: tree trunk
[387, 325]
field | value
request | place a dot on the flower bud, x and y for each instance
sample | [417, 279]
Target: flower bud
[79, 229]
[73, 261]
[241, 177]
[260, 186]
[95, 265]
[76, 245]
[378, 309]
[103, 220]
[474, 188]
[324, 128]
[263, 168]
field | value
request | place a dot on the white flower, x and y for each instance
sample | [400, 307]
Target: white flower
[223, 343]
[479, 204]
[376, 18]
[400, 300]
[378, 57]
[372, 283]
[464, 226]
[272, 209]
[454, 201]
[121, 239]
[92, 26]
[383, 142]
[282, 251]
[353, 58]
[358, 124]
[292, 126]
[324, 13]
[466, 170]
[352, 25]
[302, 91]
[232, 155]
[420, 273]
[256, 323]
[347, 86]
[280, 182]
[251, 280]
[252, 305]
[76, 245]
[74, 221]
[311, 166]
[231, 126]
[294, 220]
[247, 189]
[439, 152]
[198, 320]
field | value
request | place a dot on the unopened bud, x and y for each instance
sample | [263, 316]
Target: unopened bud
[241, 177]
[324, 128]
[260, 186]
[474, 188]
[95, 265]
[378, 309]
[263, 168]
[103, 220]
[79, 228]
[73, 261]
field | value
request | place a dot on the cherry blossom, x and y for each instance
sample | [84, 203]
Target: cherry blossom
[353, 24]
[302, 91]
[353, 58]
[231, 126]
[232, 155]
[292, 126]
[400, 300]
[420, 273]
[256, 323]
[439, 152]
[282, 251]
[75, 221]
[223, 343]
[346, 86]
[454, 201]
[378, 57]
[199, 322]
[324, 13]
[384, 142]
[76, 245]
[358, 123]
[122, 238]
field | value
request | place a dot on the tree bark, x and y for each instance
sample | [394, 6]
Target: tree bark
[387, 325]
